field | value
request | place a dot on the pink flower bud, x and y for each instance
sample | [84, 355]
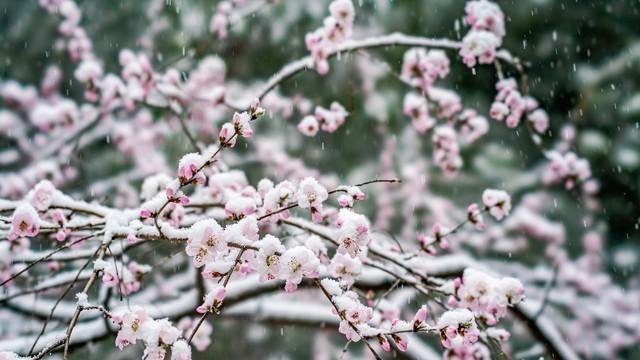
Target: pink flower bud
[421, 316]
[145, 213]
[131, 239]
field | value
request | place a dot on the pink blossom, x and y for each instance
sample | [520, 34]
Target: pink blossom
[497, 202]
[457, 328]
[401, 342]
[475, 217]
[227, 135]
[384, 343]
[420, 317]
[540, 120]
[421, 68]
[206, 239]
[510, 291]
[241, 124]
[446, 151]
[131, 324]
[268, 257]
[243, 232]
[180, 350]
[24, 222]
[309, 126]
[42, 195]
[336, 28]
[479, 46]
[239, 207]
[296, 263]
[145, 213]
[498, 111]
[342, 10]
[279, 197]
[311, 195]
[415, 106]
[213, 299]
[485, 15]
[567, 168]
[188, 168]
[345, 268]
[353, 232]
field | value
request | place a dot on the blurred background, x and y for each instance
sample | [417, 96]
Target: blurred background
[582, 59]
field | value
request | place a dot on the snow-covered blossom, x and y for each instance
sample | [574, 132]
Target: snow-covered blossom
[180, 350]
[566, 168]
[126, 277]
[354, 315]
[487, 30]
[243, 232]
[227, 135]
[268, 257]
[458, 328]
[240, 206]
[160, 332]
[89, 72]
[264, 186]
[540, 120]
[331, 286]
[188, 168]
[350, 195]
[509, 104]
[472, 126]
[509, 291]
[479, 47]
[217, 268]
[318, 247]
[279, 197]
[498, 203]
[42, 195]
[345, 268]
[446, 151]
[206, 239]
[24, 222]
[131, 325]
[311, 195]
[296, 263]
[448, 101]
[415, 106]
[488, 296]
[421, 67]
[485, 15]
[241, 124]
[213, 300]
[353, 232]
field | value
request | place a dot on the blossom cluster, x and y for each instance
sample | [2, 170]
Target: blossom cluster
[566, 168]
[328, 120]
[233, 231]
[127, 277]
[158, 336]
[485, 36]
[420, 68]
[509, 104]
[336, 29]
[478, 297]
